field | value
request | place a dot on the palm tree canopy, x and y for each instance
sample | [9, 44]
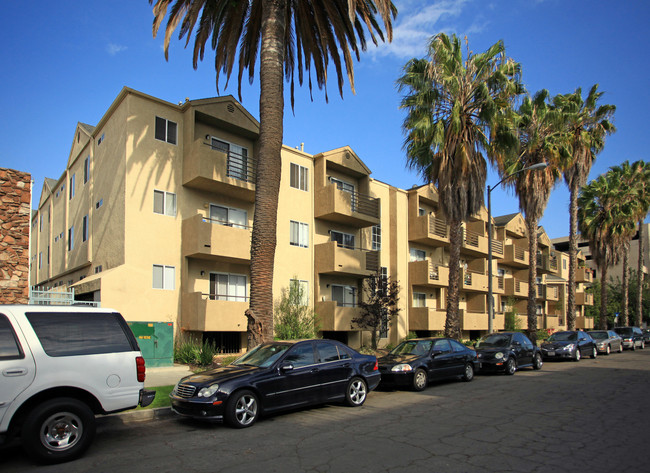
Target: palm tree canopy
[451, 103]
[316, 32]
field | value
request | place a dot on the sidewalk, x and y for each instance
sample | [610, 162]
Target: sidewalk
[166, 375]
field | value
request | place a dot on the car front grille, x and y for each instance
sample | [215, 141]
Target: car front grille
[185, 390]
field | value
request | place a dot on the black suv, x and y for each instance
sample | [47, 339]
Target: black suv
[507, 352]
[632, 337]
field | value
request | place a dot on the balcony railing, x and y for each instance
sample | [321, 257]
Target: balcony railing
[497, 247]
[362, 203]
[238, 166]
[438, 227]
[471, 238]
[520, 254]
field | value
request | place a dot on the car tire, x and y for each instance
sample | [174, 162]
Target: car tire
[420, 380]
[242, 409]
[356, 392]
[633, 346]
[594, 353]
[642, 344]
[620, 348]
[58, 430]
[510, 367]
[538, 362]
[577, 355]
[468, 373]
[608, 350]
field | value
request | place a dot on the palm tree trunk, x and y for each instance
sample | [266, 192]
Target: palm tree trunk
[602, 323]
[267, 182]
[639, 275]
[531, 225]
[573, 259]
[452, 322]
[626, 283]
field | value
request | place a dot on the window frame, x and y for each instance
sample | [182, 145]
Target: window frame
[85, 232]
[343, 244]
[165, 197]
[301, 179]
[302, 234]
[72, 186]
[164, 276]
[12, 334]
[166, 127]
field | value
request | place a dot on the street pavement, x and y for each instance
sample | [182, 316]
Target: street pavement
[586, 416]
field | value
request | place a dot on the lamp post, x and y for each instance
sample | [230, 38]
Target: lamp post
[489, 196]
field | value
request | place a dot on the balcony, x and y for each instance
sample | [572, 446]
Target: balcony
[515, 287]
[210, 169]
[428, 273]
[210, 239]
[497, 249]
[200, 313]
[584, 298]
[584, 275]
[473, 281]
[552, 293]
[498, 285]
[426, 318]
[429, 230]
[584, 322]
[479, 321]
[547, 263]
[348, 208]
[335, 260]
[474, 244]
[332, 317]
[516, 256]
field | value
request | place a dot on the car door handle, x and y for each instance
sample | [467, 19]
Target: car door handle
[14, 372]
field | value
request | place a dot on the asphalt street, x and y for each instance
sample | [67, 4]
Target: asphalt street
[586, 416]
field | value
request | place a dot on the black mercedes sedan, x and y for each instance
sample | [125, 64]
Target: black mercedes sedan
[569, 344]
[507, 352]
[413, 363]
[277, 376]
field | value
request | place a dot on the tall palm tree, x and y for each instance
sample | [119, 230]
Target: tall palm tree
[451, 102]
[289, 36]
[641, 171]
[539, 128]
[600, 207]
[588, 125]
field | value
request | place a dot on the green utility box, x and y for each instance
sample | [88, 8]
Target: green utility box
[156, 340]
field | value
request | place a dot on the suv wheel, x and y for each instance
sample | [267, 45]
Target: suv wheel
[58, 430]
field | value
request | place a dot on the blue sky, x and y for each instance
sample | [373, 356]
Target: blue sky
[67, 62]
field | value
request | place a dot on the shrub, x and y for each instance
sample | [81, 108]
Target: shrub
[294, 319]
[191, 352]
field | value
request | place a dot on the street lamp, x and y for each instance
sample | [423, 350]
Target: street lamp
[489, 193]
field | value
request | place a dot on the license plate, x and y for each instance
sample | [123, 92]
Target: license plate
[550, 353]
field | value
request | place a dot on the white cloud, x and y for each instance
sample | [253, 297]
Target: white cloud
[113, 48]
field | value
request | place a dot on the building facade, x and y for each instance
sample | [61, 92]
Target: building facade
[152, 216]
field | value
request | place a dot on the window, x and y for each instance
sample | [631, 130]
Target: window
[228, 216]
[301, 355]
[101, 139]
[540, 310]
[71, 334]
[376, 237]
[442, 346]
[344, 296]
[563, 264]
[421, 212]
[419, 299]
[164, 277]
[85, 229]
[86, 169]
[71, 238]
[456, 346]
[98, 269]
[303, 290]
[164, 203]
[299, 234]
[417, 255]
[9, 347]
[72, 186]
[40, 225]
[237, 164]
[99, 203]
[327, 352]
[166, 130]
[228, 287]
[346, 187]
[299, 177]
[344, 240]
[40, 260]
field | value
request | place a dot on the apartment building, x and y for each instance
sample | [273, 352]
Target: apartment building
[152, 216]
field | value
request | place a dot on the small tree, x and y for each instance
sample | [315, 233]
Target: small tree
[294, 319]
[511, 321]
[379, 305]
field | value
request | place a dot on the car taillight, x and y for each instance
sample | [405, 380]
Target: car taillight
[376, 367]
[140, 368]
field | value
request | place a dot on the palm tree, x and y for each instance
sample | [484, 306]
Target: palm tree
[588, 124]
[641, 171]
[600, 207]
[451, 104]
[539, 129]
[288, 35]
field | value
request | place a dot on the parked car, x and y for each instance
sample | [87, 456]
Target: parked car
[646, 335]
[60, 367]
[507, 352]
[569, 344]
[607, 341]
[276, 376]
[413, 363]
[632, 337]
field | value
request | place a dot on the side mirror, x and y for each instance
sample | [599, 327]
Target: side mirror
[435, 353]
[516, 344]
[284, 367]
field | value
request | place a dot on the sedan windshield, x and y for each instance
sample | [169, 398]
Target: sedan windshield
[563, 337]
[599, 335]
[412, 347]
[495, 340]
[263, 355]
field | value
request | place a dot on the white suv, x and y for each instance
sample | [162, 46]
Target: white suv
[59, 367]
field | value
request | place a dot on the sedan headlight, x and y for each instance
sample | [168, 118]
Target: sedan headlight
[498, 356]
[569, 347]
[208, 391]
[402, 367]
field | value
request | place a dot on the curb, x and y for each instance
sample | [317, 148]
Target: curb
[134, 417]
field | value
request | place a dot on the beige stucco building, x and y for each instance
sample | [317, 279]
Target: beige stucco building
[152, 216]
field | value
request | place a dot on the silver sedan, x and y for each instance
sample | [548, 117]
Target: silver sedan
[607, 341]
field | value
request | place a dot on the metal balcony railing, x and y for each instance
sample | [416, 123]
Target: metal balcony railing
[226, 223]
[500, 283]
[361, 203]
[497, 247]
[471, 238]
[238, 166]
[520, 254]
[225, 297]
[438, 226]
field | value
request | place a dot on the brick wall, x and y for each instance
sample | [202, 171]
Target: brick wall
[15, 218]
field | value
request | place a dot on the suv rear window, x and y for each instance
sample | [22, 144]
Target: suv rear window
[78, 333]
[9, 347]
